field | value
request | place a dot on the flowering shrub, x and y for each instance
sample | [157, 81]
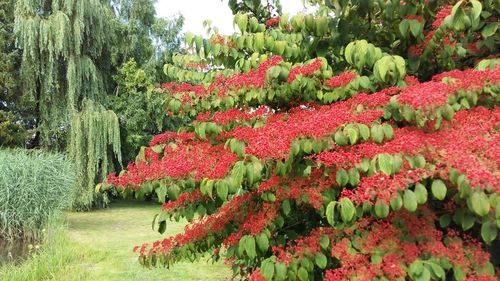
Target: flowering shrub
[297, 168]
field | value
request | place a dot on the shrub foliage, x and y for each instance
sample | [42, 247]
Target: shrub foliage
[34, 187]
[313, 154]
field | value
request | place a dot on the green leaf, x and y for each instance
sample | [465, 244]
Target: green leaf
[381, 210]
[340, 138]
[364, 131]
[468, 221]
[189, 38]
[347, 209]
[458, 273]
[307, 146]
[222, 190]
[397, 163]
[476, 9]
[267, 269]
[438, 189]
[421, 193]
[415, 269]
[437, 270]
[415, 27]
[286, 207]
[321, 260]
[424, 276]
[490, 29]
[447, 112]
[250, 247]
[262, 242]
[353, 177]
[330, 212]
[403, 27]
[162, 227]
[480, 203]
[258, 41]
[388, 131]
[295, 148]
[353, 134]
[307, 172]
[242, 21]
[488, 232]
[377, 133]
[324, 242]
[342, 177]
[303, 275]
[396, 202]
[385, 163]
[279, 271]
[161, 192]
[158, 148]
[410, 201]
[444, 220]
[173, 192]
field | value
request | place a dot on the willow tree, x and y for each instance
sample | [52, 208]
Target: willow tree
[65, 45]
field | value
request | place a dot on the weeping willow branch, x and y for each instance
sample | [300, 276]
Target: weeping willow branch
[95, 132]
[61, 41]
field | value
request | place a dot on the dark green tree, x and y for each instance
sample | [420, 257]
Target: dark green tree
[12, 124]
[142, 36]
[139, 106]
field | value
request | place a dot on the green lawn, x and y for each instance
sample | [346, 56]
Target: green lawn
[114, 231]
[97, 246]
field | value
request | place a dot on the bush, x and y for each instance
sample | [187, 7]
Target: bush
[34, 186]
[314, 155]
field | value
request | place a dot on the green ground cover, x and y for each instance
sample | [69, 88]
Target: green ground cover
[97, 246]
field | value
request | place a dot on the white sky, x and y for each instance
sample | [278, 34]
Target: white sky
[196, 11]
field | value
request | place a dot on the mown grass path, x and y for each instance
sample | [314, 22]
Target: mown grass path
[110, 235]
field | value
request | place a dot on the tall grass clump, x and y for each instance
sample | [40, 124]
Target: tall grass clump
[56, 257]
[34, 186]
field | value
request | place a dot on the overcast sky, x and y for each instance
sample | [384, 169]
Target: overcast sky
[196, 11]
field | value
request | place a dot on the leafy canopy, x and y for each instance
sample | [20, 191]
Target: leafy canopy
[358, 142]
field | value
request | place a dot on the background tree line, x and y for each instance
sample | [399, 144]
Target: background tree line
[79, 76]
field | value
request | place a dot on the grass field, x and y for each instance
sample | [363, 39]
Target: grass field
[97, 246]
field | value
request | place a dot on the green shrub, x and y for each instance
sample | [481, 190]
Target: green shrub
[34, 186]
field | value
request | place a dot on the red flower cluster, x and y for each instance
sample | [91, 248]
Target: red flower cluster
[197, 66]
[382, 188]
[221, 85]
[253, 223]
[184, 200]
[171, 136]
[341, 80]
[232, 212]
[304, 70]
[174, 88]
[255, 78]
[417, 50]
[400, 240]
[440, 16]
[219, 40]
[235, 115]
[197, 160]
[272, 22]
[436, 92]
[274, 139]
